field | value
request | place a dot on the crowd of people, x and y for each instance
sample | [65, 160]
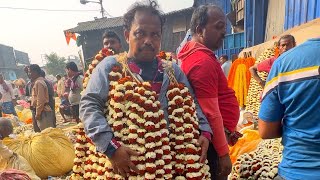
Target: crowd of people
[40, 93]
[290, 101]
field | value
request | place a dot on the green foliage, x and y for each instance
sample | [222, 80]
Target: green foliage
[55, 64]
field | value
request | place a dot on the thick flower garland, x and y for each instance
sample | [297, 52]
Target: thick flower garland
[89, 164]
[184, 129]
[135, 116]
[97, 59]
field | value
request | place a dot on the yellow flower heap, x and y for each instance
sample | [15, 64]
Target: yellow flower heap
[134, 113]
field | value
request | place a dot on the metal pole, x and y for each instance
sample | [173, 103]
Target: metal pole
[83, 64]
[102, 10]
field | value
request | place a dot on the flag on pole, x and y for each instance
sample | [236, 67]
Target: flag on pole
[70, 35]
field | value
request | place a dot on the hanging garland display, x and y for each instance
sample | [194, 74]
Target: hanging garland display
[254, 93]
[239, 78]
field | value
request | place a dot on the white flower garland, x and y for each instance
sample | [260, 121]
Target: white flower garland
[136, 118]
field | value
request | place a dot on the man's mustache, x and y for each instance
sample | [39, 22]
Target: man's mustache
[146, 47]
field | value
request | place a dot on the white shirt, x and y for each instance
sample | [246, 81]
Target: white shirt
[16, 92]
[7, 96]
[226, 67]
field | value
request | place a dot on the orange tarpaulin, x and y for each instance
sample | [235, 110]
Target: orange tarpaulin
[70, 35]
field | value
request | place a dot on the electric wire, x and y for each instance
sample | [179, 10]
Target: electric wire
[54, 10]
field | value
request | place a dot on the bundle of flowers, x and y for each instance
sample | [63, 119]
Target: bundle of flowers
[89, 164]
[259, 164]
[24, 104]
[184, 135]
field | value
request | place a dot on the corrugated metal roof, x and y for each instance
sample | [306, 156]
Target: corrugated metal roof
[98, 24]
[105, 23]
[179, 11]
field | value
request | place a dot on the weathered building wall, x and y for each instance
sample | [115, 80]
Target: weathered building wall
[275, 19]
[7, 62]
[174, 30]
[22, 57]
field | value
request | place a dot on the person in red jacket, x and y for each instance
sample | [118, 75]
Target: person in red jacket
[217, 100]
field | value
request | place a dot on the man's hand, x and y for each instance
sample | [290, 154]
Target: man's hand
[14, 102]
[204, 143]
[262, 83]
[121, 162]
[225, 165]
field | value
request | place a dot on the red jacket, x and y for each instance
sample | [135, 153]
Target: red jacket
[210, 85]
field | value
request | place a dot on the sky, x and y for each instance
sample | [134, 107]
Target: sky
[41, 32]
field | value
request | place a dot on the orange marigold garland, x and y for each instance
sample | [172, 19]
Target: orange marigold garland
[97, 59]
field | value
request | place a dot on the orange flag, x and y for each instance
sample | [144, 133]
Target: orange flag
[70, 35]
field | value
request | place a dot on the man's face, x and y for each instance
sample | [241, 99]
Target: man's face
[285, 45]
[32, 75]
[69, 72]
[144, 37]
[112, 43]
[222, 60]
[214, 31]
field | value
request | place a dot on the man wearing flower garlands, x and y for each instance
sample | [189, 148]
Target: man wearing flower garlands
[111, 41]
[218, 102]
[133, 99]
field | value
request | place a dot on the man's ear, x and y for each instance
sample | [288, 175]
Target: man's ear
[126, 35]
[199, 31]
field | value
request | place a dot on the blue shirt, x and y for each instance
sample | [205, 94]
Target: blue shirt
[292, 94]
[93, 101]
